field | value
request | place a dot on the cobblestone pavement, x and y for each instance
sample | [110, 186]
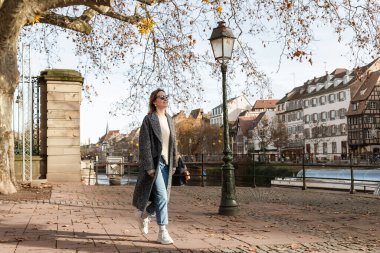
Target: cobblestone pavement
[80, 218]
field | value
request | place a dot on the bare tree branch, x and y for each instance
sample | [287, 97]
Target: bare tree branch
[112, 14]
[76, 24]
[51, 4]
[81, 24]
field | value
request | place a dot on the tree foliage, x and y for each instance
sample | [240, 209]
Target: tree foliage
[279, 134]
[197, 137]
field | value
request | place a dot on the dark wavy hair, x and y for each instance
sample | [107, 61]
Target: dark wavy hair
[152, 98]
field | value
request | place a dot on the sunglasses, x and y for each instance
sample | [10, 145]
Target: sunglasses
[163, 97]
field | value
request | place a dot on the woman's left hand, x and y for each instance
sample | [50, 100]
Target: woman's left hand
[173, 171]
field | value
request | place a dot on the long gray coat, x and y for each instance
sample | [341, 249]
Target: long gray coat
[150, 146]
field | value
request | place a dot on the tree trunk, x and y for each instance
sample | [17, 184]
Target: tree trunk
[7, 174]
[9, 77]
[13, 15]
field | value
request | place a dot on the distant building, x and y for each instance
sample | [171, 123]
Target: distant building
[240, 137]
[234, 105]
[110, 136]
[315, 113]
[364, 117]
[244, 140]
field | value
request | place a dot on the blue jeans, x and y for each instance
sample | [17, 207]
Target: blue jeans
[160, 195]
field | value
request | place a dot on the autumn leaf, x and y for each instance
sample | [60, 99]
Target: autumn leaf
[219, 9]
[146, 26]
[36, 19]
[298, 53]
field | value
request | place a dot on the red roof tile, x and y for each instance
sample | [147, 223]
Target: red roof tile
[265, 103]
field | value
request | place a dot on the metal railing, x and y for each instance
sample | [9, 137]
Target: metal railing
[260, 169]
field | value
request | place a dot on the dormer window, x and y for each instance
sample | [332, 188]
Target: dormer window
[355, 106]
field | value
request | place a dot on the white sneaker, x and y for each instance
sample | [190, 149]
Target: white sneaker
[143, 221]
[164, 237]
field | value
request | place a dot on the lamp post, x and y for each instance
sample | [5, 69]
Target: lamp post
[222, 43]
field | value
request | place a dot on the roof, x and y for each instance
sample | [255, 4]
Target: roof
[245, 123]
[365, 89]
[265, 103]
[257, 120]
[109, 135]
[231, 100]
[196, 112]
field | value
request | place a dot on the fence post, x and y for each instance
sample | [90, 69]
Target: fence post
[128, 173]
[352, 190]
[96, 170]
[89, 173]
[254, 171]
[303, 172]
[203, 182]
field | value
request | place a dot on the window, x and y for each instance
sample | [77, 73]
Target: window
[307, 118]
[322, 100]
[306, 103]
[333, 130]
[371, 105]
[370, 120]
[332, 114]
[315, 117]
[316, 148]
[331, 98]
[342, 96]
[343, 128]
[298, 115]
[314, 102]
[368, 134]
[342, 113]
[323, 116]
[324, 148]
[354, 106]
[333, 147]
[307, 132]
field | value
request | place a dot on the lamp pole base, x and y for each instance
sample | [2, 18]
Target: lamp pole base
[231, 210]
[228, 204]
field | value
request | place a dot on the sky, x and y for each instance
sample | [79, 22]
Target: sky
[327, 55]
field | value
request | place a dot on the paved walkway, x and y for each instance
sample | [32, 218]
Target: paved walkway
[81, 218]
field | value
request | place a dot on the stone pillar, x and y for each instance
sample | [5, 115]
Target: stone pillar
[60, 124]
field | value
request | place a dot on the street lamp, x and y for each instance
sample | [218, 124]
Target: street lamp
[222, 43]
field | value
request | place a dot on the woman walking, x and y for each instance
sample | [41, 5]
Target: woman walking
[158, 161]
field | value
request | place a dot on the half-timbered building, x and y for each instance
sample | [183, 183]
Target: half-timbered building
[364, 117]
